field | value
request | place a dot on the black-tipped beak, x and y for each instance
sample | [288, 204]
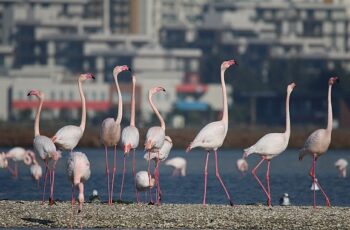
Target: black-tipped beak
[130, 69]
[164, 90]
[93, 77]
[236, 63]
[28, 94]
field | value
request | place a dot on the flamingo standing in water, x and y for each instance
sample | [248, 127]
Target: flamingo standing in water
[18, 154]
[35, 169]
[242, 165]
[158, 156]
[43, 146]
[179, 164]
[155, 135]
[318, 142]
[110, 132]
[143, 183]
[341, 164]
[212, 136]
[270, 146]
[78, 170]
[130, 140]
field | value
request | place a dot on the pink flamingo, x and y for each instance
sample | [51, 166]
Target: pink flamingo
[143, 183]
[155, 135]
[43, 146]
[341, 164]
[110, 132]
[242, 165]
[269, 146]
[179, 164]
[78, 170]
[318, 142]
[18, 154]
[212, 136]
[35, 169]
[158, 156]
[130, 140]
[3, 161]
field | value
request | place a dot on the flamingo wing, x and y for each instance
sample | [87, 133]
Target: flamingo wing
[211, 136]
[271, 144]
[130, 136]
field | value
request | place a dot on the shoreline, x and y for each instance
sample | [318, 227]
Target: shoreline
[32, 214]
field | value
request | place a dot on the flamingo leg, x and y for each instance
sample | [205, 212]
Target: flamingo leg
[149, 178]
[11, 170]
[114, 171]
[205, 178]
[328, 203]
[156, 175]
[45, 179]
[257, 178]
[16, 169]
[122, 185]
[312, 174]
[134, 175]
[107, 174]
[219, 178]
[52, 201]
[268, 183]
[73, 196]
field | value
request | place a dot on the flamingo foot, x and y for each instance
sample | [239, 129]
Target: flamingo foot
[151, 203]
[231, 203]
[328, 203]
[51, 202]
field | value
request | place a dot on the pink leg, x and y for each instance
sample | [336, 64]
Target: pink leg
[73, 196]
[45, 179]
[52, 201]
[312, 174]
[256, 177]
[12, 171]
[149, 177]
[114, 171]
[268, 183]
[16, 169]
[107, 174]
[219, 178]
[122, 185]
[328, 203]
[156, 175]
[205, 178]
[134, 175]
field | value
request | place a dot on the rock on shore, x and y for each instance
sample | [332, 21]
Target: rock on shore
[32, 214]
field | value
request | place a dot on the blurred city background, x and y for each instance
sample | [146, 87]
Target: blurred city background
[46, 44]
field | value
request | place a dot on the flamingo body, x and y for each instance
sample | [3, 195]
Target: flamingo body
[78, 168]
[19, 154]
[110, 132]
[155, 138]
[317, 143]
[341, 165]
[3, 160]
[163, 153]
[130, 138]
[143, 182]
[179, 164]
[36, 171]
[68, 137]
[44, 147]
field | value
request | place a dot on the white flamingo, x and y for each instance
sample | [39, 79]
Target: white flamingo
[68, 137]
[3, 161]
[44, 147]
[130, 140]
[158, 156]
[78, 170]
[35, 169]
[270, 146]
[143, 183]
[212, 136]
[155, 135]
[341, 164]
[242, 165]
[179, 164]
[110, 132]
[18, 154]
[318, 142]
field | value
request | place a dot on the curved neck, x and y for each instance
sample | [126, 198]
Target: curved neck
[37, 118]
[287, 115]
[330, 113]
[155, 110]
[132, 111]
[225, 111]
[83, 106]
[120, 101]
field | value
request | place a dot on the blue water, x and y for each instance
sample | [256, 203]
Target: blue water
[287, 175]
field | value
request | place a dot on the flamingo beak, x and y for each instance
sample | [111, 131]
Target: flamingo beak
[232, 62]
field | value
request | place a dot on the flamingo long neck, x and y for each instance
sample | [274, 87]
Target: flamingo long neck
[37, 118]
[330, 113]
[132, 111]
[287, 115]
[83, 106]
[120, 101]
[223, 85]
[155, 110]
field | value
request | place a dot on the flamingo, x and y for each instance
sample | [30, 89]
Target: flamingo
[179, 164]
[3, 161]
[68, 137]
[270, 146]
[341, 165]
[242, 165]
[212, 136]
[143, 183]
[159, 155]
[155, 135]
[43, 146]
[130, 139]
[78, 170]
[318, 142]
[110, 132]
[18, 154]
[35, 169]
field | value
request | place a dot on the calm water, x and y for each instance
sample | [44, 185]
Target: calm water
[287, 175]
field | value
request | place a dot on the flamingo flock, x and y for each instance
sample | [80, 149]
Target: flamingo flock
[158, 146]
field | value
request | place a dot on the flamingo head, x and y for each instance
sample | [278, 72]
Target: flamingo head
[156, 90]
[86, 76]
[153, 181]
[28, 158]
[291, 87]
[119, 69]
[36, 93]
[226, 64]
[81, 201]
[3, 160]
[333, 80]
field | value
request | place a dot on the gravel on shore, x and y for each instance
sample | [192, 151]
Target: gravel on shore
[32, 214]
